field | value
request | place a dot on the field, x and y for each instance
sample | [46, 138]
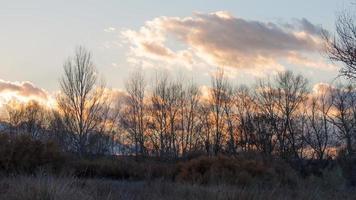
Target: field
[42, 187]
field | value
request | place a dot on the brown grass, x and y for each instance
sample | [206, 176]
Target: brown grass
[42, 187]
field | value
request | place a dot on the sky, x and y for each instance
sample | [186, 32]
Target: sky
[250, 38]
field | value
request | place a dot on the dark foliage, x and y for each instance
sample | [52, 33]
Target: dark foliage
[22, 154]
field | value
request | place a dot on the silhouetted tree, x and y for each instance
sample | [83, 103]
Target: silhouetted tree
[342, 46]
[82, 103]
[344, 115]
[27, 118]
[218, 93]
[135, 114]
[319, 130]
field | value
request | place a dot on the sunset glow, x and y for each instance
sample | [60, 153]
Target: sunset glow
[178, 99]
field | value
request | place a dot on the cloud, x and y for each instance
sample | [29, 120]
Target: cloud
[220, 39]
[114, 95]
[322, 88]
[110, 29]
[303, 25]
[334, 95]
[156, 49]
[25, 89]
[312, 62]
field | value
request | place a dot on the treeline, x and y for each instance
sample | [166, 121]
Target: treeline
[171, 119]
[275, 117]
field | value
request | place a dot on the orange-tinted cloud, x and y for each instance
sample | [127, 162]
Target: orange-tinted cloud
[25, 89]
[322, 88]
[220, 39]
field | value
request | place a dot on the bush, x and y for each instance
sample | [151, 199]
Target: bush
[22, 154]
[236, 170]
[123, 168]
[348, 166]
[240, 170]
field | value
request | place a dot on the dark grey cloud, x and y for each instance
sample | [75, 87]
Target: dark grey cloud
[304, 25]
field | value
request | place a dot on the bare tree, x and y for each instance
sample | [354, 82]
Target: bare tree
[291, 91]
[268, 119]
[81, 101]
[255, 125]
[15, 114]
[189, 102]
[35, 119]
[59, 134]
[344, 115]
[230, 119]
[217, 94]
[318, 126]
[280, 103]
[342, 46]
[28, 118]
[134, 118]
[206, 123]
[159, 121]
[245, 109]
[174, 102]
[103, 139]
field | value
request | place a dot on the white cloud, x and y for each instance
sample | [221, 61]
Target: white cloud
[110, 29]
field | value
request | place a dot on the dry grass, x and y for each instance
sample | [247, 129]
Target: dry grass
[42, 187]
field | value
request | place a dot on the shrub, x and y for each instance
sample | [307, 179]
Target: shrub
[235, 170]
[348, 166]
[23, 154]
[123, 168]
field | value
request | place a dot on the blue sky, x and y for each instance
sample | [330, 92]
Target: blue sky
[37, 36]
